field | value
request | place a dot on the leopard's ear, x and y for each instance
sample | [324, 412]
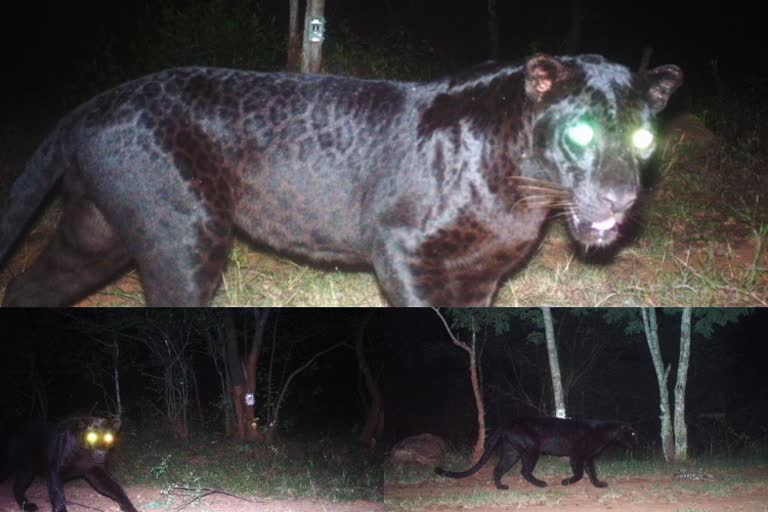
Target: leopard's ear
[663, 81]
[116, 423]
[541, 74]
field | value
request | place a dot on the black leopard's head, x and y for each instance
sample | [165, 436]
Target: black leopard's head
[625, 436]
[592, 131]
[94, 437]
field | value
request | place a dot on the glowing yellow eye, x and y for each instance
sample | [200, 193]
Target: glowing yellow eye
[108, 438]
[642, 138]
[91, 437]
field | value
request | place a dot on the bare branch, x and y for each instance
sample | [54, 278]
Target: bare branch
[455, 340]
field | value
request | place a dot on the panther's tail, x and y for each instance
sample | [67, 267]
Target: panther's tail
[28, 192]
[490, 446]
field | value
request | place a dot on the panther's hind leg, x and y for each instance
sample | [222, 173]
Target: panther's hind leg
[592, 474]
[506, 461]
[529, 459]
[85, 253]
[577, 465]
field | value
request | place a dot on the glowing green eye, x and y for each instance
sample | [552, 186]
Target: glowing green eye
[108, 438]
[91, 437]
[580, 134]
[642, 138]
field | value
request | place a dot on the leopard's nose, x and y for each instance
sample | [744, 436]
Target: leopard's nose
[620, 200]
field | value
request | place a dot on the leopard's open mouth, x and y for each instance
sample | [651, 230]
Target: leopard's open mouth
[601, 232]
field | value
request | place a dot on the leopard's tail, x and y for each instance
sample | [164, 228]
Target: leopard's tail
[28, 192]
[490, 447]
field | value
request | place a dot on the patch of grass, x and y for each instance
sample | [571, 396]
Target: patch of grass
[613, 465]
[331, 470]
[255, 278]
[730, 473]
[407, 474]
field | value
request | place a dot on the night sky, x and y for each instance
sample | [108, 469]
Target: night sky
[422, 375]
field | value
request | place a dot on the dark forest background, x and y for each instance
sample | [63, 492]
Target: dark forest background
[59, 53]
[59, 363]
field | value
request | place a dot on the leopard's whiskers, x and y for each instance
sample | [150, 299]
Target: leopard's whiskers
[526, 180]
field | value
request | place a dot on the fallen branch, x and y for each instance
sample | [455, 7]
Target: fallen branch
[207, 492]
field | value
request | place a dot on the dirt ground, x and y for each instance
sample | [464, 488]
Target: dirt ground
[660, 493]
[651, 494]
[82, 498]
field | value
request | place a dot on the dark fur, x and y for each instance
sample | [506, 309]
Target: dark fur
[442, 187]
[526, 439]
[59, 453]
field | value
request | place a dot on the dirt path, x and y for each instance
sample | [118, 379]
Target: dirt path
[660, 493]
[82, 498]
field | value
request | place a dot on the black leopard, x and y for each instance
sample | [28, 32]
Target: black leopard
[442, 187]
[528, 438]
[71, 448]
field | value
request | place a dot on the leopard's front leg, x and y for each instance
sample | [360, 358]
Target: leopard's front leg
[409, 276]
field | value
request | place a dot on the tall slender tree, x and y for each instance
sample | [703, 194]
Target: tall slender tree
[554, 363]
[674, 437]
[374, 419]
[312, 51]
[294, 37]
[471, 349]
[662, 374]
[681, 432]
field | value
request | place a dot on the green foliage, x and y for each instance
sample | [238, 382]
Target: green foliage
[334, 469]
[161, 469]
[707, 319]
[499, 320]
[631, 317]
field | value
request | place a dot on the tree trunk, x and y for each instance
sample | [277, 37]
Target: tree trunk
[216, 348]
[652, 337]
[235, 371]
[681, 433]
[493, 31]
[374, 422]
[294, 38]
[281, 396]
[470, 349]
[229, 421]
[312, 54]
[554, 364]
[116, 363]
[198, 402]
[252, 361]
[473, 375]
